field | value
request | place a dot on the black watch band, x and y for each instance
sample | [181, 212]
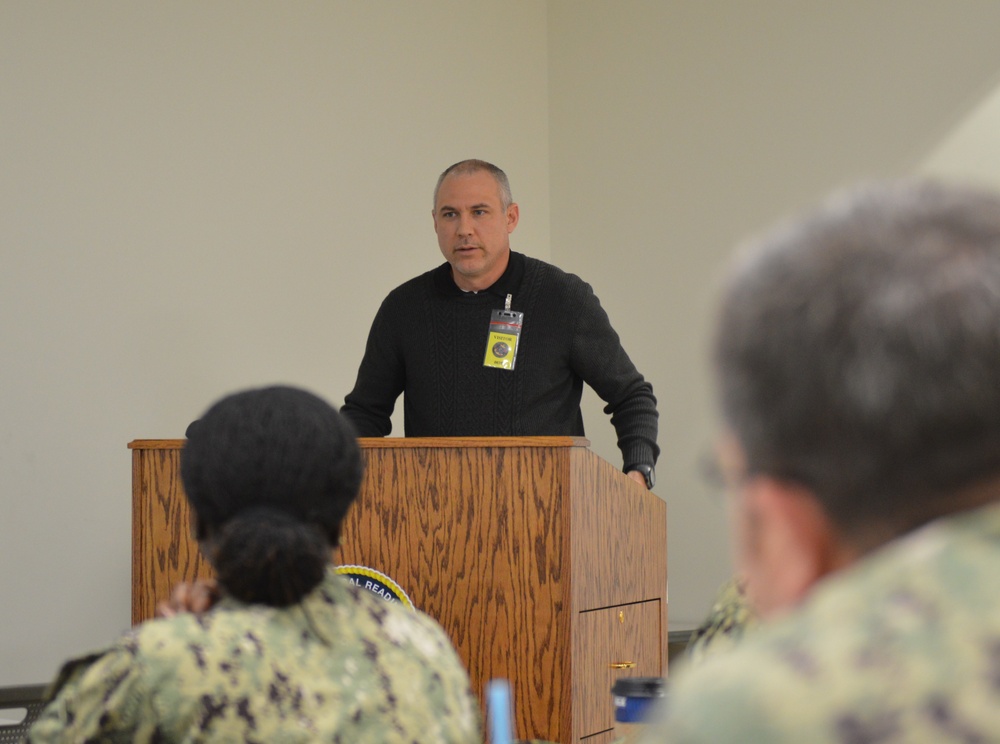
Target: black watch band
[648, 472]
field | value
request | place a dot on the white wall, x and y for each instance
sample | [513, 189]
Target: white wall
[971, 151]
[680, 127]
[198, 197]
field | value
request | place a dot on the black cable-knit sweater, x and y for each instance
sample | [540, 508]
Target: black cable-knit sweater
[428, 341]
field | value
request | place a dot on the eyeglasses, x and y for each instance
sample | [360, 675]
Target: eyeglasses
[722, 479]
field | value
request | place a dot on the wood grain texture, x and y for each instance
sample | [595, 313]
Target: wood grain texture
[163, 549]
[510, 544]
[619, 536]
[619, 558]
[613, 635]
[604, 737]
[473, 536]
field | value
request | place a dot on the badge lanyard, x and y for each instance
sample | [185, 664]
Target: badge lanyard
[501, 344]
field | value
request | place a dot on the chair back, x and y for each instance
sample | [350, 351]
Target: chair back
[19, 707]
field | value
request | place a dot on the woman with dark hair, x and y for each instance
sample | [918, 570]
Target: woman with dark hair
[288, 651]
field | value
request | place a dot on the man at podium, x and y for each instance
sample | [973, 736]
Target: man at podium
[496, 343]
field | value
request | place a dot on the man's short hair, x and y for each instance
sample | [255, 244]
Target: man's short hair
[468, 167]
[858, 352]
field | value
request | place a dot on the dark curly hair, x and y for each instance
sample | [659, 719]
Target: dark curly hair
[270, 475]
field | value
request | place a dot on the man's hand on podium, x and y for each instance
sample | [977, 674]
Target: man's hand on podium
[637, 477]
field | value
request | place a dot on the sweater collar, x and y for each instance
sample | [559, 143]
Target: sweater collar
[509, 281]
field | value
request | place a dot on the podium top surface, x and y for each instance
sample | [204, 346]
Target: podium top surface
[412, 442]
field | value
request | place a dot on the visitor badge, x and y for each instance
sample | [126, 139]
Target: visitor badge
[501, 343]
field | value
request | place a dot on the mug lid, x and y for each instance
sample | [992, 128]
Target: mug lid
[650, 687]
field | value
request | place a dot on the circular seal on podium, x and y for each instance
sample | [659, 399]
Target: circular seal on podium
[376, 582]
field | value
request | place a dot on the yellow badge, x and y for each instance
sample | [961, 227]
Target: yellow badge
[501, 350]
[501, 342]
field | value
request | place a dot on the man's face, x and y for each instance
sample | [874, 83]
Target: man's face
[473, 228]
[783, 541]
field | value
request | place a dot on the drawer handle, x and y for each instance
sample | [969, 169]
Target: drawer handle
[623, 665]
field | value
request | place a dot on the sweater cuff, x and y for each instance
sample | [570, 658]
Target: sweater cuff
[639, 453]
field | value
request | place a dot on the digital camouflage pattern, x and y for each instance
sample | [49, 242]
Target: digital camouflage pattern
[904, 646]
[727, 622]
[342, 666]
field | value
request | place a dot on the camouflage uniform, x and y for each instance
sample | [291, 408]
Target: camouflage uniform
[725, 625]
[342, 666]
[904, 646]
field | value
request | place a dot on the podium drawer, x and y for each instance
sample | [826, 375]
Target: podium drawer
[609, 643]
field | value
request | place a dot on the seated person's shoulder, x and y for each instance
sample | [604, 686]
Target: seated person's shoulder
[392, 619]
[756, 682]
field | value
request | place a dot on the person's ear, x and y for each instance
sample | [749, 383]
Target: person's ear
[792, 544]
[513, 215]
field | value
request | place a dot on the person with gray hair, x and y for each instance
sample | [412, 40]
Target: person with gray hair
[857, 362]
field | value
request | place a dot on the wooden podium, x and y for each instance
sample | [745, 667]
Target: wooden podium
[543, 563]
